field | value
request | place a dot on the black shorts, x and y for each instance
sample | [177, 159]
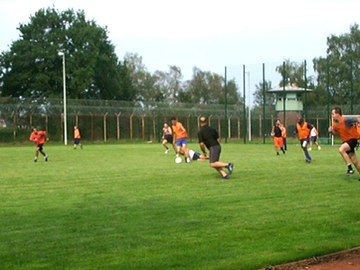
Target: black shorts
[353, 143]
[169, 138]
[215, 153]
[304, 143]
[40, 147]
[76, 141]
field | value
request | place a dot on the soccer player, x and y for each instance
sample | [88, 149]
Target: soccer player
[303, 130]
[346, 128]
[39, 138]
[284, 135]
[314, 136]
[278, 138]
[196, 156]
[209, 137]
[77, 137]
[167, 137]
[180, 135]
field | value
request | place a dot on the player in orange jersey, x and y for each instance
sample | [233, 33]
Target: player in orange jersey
[39, 137]
[284, 135]
[278, 138]
[346, 127]
[303, 129]
[180, 135]
[77, 137]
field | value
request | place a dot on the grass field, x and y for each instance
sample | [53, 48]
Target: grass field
[129, 206]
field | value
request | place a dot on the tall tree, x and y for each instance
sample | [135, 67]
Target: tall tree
[32, 67]
[270, 98]
[343, 56]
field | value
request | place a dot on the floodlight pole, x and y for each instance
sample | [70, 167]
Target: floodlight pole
[64, 89]
[249, 105]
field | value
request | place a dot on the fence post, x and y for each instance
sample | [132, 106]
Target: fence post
[154, 128]
[14, 130]
[143, 126]
[188, 126]
[105, 135]
[92, 127]
[219, 126]
[229, 127]
[131, 126]
[118, 126]
[260, 126]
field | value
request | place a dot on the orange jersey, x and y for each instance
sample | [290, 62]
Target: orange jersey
[284, 133]
[303, 131]
[346, 133]
[179, 131]
[77, 134]
[38, 138]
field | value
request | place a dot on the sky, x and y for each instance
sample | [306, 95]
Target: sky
[206, 34]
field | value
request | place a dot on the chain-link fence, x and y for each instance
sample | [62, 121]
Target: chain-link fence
[101, 120]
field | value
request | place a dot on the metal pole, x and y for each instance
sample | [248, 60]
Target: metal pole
[284, 93]
[264, 101]
[226, 122]
[64, 90]
[249, 114]
[305, 78]
[244, 103]
[351, 87]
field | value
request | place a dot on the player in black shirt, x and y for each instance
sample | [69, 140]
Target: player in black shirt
[209, 137]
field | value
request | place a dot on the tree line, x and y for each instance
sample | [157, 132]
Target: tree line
[32, 68]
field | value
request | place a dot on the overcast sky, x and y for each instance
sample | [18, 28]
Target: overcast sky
[207, 34]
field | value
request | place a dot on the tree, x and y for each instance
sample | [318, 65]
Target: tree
[270, 99]
[209, 88]
[334, 70]
[32, 67]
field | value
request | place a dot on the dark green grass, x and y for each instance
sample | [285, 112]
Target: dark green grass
[131, 207]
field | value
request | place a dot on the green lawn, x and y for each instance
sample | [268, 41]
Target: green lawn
[130, 206]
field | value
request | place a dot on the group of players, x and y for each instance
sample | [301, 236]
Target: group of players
[40, 136]
[208, 137]
[345, 127]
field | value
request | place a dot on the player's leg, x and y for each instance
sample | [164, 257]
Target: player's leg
[276, 146]
[304, 144]
[281, 144]
[343, 150]
[164, 144]
[355, 161]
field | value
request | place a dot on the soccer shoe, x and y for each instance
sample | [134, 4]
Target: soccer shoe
[308, 160]
[310, 149]
[225, 177]
[319, 148]
[166, 151]
[46, 158]
[35, 160]
[277, 153]
[230, 167]
[350, 171]
[187, 160]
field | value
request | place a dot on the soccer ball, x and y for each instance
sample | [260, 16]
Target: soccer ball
[178, 160]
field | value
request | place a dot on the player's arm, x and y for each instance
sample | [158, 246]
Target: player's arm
[332, 130]
[183, 129]
[272, 131]
[202, 147]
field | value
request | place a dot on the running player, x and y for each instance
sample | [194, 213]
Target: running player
[39, 138]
